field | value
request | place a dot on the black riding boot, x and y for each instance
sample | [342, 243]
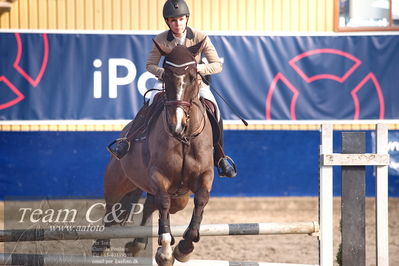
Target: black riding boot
[225, 165]
[121, 146]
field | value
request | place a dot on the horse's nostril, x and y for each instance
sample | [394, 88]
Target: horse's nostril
[180, 129]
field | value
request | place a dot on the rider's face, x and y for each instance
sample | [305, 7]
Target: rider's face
[177, 25]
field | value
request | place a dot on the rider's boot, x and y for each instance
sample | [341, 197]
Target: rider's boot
[224, 164]
[121, 146]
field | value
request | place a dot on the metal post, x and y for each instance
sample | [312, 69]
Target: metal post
[326, 199]
[381, 191]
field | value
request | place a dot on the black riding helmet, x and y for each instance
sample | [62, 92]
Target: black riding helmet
[175, 8]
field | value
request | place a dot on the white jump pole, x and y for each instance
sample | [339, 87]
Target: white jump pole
[50, 260]
[150, 231]
[381, 190]
[326, 199]
[233, 263]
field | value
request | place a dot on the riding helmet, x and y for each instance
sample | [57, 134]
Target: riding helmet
[175, 8]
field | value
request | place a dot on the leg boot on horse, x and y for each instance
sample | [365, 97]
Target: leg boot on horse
[164, 254]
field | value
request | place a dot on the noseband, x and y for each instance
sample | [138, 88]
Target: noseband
[181, 104]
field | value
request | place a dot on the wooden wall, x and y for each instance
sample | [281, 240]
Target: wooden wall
[208, 15]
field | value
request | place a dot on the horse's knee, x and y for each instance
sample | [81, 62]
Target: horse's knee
[201, 198]
[163, 202]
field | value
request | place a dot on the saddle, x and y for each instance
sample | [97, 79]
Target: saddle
[142, 124]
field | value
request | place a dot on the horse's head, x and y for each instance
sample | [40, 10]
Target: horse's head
[181, 86]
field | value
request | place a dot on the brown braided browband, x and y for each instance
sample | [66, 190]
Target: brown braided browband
[178, 103]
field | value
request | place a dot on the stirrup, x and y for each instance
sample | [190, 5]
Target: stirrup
[230, 161]
[114, 150]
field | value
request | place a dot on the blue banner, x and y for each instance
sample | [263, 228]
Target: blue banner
[72, 164]
[102, 76]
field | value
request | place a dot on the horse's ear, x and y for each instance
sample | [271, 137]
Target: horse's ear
[196, 48]
[163, 49]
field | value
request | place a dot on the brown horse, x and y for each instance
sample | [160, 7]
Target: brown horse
[176, 159]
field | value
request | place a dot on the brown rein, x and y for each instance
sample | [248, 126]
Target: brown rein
[185, 139]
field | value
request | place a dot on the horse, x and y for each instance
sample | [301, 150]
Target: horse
[174, 162]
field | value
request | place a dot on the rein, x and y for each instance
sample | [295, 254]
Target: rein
[184, 139]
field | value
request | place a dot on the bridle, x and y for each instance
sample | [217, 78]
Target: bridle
[186, 106]
[180, 103]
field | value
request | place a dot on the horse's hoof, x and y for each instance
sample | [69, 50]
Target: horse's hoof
[162, 259]
[134, 247]
[180, 256]
[98, 248]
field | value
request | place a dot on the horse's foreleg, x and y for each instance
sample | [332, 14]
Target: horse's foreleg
[165, 240]
[133, 248]
[200, 200]
[186, 246]
[117, 211]
[100, 245]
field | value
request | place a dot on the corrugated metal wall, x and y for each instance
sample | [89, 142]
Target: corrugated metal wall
[208, 15]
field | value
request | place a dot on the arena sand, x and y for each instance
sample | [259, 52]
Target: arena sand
[277, 248]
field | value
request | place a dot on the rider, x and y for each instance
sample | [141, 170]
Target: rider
[176, 14]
